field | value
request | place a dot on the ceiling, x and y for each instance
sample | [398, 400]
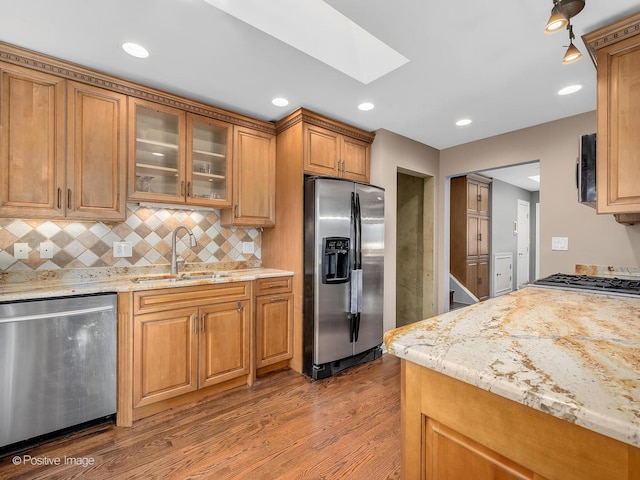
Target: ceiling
[485, 60]
[517, 175]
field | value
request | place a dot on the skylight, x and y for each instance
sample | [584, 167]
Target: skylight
[319, 30]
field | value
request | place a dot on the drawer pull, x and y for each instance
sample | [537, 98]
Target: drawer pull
[277, 285]
[278, 299]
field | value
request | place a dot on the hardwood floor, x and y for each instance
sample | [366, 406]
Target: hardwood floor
[284, 427]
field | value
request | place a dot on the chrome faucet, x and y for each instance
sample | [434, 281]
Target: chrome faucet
[174, 259]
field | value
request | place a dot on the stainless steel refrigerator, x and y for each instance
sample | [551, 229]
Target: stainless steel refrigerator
[343, 281]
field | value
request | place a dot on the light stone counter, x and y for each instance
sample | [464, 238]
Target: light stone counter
[573, 355]
[62, 283]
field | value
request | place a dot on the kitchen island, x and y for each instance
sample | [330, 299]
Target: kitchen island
[540, 384]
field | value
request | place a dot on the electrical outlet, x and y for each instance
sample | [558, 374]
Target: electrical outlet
[122, 249]
[46, 250]
[20, 251]
[248, 247]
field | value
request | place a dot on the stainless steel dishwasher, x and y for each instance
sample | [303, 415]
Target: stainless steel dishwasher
[57, 366]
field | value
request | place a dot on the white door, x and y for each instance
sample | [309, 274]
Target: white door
[503, 282]
[522, 266]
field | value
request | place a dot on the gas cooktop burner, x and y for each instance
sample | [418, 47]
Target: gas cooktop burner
[598, 284]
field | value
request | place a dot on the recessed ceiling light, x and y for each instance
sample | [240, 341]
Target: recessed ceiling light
[463, 122]
[280, 102]
[570, 89]
[366, 106]
[135, 50]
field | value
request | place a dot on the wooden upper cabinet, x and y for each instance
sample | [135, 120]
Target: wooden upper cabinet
[254, 179]
[356, 160]
[32, 143]
[96, 153]
[36, 128]
[331, 154]
[322, 151]
[616, 51]
[178, 157]
[156, 152]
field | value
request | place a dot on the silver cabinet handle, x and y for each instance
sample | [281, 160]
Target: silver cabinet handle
[239, 306]
[202, 322]
[194, 319]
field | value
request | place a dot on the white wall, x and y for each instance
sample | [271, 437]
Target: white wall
[389, 154]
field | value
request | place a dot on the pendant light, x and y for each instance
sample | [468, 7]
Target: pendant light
[573, 54]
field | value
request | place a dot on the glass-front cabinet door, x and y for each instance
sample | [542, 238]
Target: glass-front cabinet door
[157, 152]
[208, 167]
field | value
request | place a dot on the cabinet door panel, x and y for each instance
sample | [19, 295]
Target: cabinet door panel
[96, 153]
[618, 167]
[208, 161]
[274, 329]
[483, 236]
[164, 355]
[471, 281]
[156, 152]
[254, 178]
[355, 155]
[483, 199]
[451, 456]
[224, 342]
[473, 192]
[31, 143]
[473, 235]
[321, 151]
[483, 279]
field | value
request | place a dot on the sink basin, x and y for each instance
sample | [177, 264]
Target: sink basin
[183, 277]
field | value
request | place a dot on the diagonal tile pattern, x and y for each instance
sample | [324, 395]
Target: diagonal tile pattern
[90, 244]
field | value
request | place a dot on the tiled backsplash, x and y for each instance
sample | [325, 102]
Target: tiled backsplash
[90, 244]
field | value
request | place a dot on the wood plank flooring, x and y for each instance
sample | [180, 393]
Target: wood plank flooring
[284, 427]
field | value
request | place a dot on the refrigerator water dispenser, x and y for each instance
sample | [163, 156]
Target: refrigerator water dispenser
[335, 260]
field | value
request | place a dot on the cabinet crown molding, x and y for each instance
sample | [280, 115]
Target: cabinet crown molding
[312, 118]
[620, 30]
[70, 71]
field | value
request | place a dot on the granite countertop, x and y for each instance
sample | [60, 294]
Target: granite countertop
[61, 283]
[574, 355]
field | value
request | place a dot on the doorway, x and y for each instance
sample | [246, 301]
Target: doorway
[414, 248]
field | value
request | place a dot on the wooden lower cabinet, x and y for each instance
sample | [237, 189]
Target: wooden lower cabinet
[165, 355]
[225, 342]
[274, 321]
[184, 340]
[452, 430]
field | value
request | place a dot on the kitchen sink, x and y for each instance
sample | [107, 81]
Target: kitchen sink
[167, 278]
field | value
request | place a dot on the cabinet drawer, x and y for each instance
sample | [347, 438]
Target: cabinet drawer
[178, 297]
[268, 286]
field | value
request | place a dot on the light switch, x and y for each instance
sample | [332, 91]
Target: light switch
[559, 243]
[20, 251]
[46, 250]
